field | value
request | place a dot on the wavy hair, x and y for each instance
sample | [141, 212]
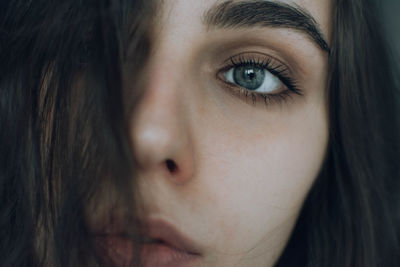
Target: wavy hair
[63, 122]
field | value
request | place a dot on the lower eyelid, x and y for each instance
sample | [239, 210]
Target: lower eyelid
[253, 98]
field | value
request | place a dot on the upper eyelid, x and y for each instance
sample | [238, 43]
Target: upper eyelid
[274, 43]
[274, 67]
[261, 57]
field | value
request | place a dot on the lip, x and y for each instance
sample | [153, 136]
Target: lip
[171, 248]
[174, 248]
[158, 229]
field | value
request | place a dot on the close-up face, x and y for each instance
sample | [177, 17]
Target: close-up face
[232, 128]
[199, 133]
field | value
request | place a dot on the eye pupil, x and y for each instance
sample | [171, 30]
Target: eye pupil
[249, 77]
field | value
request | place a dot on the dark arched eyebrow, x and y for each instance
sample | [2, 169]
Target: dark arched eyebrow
[264, 13]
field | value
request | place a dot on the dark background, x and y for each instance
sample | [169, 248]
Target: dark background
[391, 9]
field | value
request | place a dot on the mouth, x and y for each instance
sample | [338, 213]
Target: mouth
[161, 245]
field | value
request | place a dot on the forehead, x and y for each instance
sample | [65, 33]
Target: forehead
[188, 14]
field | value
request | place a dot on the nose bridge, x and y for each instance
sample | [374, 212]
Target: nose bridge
[160, 136]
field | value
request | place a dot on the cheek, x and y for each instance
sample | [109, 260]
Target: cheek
[258, 182]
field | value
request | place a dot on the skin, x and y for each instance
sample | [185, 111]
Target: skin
[243, 169]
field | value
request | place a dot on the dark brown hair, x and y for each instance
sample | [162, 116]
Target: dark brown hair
[63, 128]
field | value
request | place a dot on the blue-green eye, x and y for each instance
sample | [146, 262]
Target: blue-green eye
[253, 78]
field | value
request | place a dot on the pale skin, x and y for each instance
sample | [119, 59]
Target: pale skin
[242, 169]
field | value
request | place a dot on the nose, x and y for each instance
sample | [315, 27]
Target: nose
[160, 130]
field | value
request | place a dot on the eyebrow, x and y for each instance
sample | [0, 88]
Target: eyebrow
[264, 13]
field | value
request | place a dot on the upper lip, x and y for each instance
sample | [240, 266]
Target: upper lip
[150, 228]
[167, 233]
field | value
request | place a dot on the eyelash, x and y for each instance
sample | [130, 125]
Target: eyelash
[277, 69]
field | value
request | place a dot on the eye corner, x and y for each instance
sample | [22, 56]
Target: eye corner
[220, 75]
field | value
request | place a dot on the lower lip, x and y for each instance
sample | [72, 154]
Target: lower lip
[163, 255]
[119, 251]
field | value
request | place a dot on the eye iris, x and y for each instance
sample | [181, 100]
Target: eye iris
[249, 77]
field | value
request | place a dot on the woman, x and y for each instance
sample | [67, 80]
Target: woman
[252, 133]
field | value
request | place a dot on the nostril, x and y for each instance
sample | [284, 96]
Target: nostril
[171, 165]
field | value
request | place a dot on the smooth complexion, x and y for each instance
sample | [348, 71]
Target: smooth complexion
[230, 167]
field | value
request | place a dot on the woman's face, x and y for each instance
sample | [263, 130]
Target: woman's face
[232, 128]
